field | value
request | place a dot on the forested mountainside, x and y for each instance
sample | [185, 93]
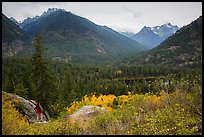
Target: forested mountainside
[73, 38]
[14, 39]
[184, 48]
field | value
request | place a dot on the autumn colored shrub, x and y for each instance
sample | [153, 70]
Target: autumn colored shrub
[54, 127]
[102, 100]
[179, 113]
[168, 121]
[13, 122]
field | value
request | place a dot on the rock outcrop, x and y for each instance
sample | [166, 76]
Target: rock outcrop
[27, 108]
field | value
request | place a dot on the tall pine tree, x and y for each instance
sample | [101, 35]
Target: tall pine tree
[44, 86]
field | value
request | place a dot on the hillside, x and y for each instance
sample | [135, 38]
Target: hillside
[14, 39]
[182, 48]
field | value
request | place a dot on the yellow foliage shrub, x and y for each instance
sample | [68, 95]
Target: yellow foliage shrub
[13, 122]
[107, 101]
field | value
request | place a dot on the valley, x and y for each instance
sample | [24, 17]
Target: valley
[148, 83]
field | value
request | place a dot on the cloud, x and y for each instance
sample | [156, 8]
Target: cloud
[135, 14]
[38, 3]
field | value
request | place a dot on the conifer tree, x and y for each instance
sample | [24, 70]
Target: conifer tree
[21, 90]
[68, 87]
[44, 85]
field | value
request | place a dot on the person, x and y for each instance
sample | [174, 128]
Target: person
[39, 111]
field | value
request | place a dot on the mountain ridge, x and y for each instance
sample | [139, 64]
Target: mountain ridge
[66, 34]
[14, 39]
[184, 48]
[152, 36]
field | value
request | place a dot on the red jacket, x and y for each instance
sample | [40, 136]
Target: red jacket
[38, 108]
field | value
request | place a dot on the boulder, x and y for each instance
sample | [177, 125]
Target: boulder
[27, 108]
[86, 112]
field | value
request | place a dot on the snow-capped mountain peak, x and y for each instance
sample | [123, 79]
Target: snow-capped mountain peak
[165, 30]
[51, 10]
[168, 24]
[153, 36]
[44, 14]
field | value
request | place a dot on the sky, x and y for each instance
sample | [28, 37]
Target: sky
[120, 16]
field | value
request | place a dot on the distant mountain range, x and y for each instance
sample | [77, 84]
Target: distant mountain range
[67, 37]
[184, 48]
[153, 36]
[72, 38]
[127, 34]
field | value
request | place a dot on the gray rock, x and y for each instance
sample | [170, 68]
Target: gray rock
[27, 108]
[87, 112]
